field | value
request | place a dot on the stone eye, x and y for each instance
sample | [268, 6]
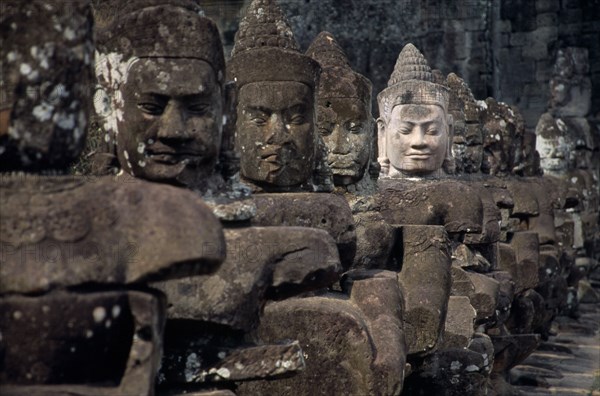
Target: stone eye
[297, 119]
[260, 121]
[151, 108]
[325, 131]
[199, 108]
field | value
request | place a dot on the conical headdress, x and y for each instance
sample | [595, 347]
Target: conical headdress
[158, 28]
[464, 95]
[265, 49]
[338, 80]
[412, 83]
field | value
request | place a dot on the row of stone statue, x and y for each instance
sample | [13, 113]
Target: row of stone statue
[255, 230]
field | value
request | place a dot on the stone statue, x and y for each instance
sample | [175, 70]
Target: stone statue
[414, 127]
[77, 316]
[276, 118]
[161, 95]
[344, 115]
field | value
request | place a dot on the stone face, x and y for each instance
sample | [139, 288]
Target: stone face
[263, 263]
[344, 115]
[45, 79]
[146, 132]
[57, 233]
[279, 147]
[327, 212]
[81, 343]
[413, 99]
[425, 282]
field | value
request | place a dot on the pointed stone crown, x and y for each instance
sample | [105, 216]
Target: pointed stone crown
[412, 82]
[338, 80]
[265, 49]
[158, 28]
[465, 97]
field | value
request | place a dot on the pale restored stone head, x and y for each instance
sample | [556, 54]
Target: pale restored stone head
[344, 112]
[414, 128]
[161, 72]
[275, 131]
[46, 56]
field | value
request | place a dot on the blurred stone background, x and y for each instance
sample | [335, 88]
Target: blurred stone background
[502, 48]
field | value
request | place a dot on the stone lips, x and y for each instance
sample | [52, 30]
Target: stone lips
[274, 64]
[181, 33]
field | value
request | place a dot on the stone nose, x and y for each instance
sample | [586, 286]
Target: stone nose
[276, 131]
[172, 125]
[417, 138]
[341, 140]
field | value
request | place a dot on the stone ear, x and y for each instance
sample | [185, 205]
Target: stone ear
[450, 121]
[382, 157]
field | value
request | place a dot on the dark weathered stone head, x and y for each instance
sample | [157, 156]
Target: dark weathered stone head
[503, 132]
[161, 71]
[467, 140]
[46, 53]
[344, 111]
[275, 130]
[414, 128]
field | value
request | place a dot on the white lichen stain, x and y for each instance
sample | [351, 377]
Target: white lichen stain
[89, 334]
[223, 372]
[17, 315]
[221, 355]
[11, 56]
[25, 69]
[108, 323]
[239, 366]
[116, 311]
[43, 111]
[455, 365]
[471, 368]
[64, 121]
[141, 147]
[69, 34]
[99, 314]
[45, 309]
[192, 364]
[73, 349]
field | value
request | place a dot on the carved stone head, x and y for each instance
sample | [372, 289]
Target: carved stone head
[275, 131]
[414, 128]
[467, 141]
[161, 73]
[46, 53]
[344, 111]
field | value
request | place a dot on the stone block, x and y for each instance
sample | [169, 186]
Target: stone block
[519, 39]
[365, 349]
[545, 6]
[458, 329]
[481, 290]
[263, 263]
[546, 19]
[323, 211]
[99, 343]
[191, 364]
[56, 233]
[425, 281]
[520, 259]
[450, 203]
